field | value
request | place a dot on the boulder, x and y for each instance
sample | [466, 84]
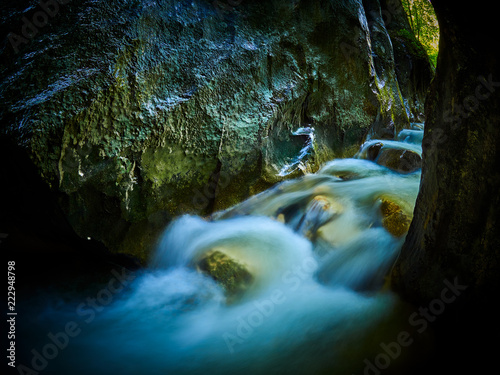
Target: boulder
[374, 150]
[318, 212]
[394, 219]
[234, 277]
[400, 160]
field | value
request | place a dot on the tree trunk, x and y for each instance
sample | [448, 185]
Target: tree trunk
[454, 236]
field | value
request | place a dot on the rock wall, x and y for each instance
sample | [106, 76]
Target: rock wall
[136, 111]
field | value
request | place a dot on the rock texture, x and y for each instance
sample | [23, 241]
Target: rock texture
[403, 161]
[454, 236]
[136, 111]
[234, 277]
[394, 218]
[454, 231]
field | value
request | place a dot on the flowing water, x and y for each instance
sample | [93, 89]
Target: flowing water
[318, 255]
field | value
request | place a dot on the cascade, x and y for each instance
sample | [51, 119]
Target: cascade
[288, 281]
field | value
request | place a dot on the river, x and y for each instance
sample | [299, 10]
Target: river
[316, 254]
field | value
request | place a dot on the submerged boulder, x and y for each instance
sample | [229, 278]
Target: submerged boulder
[394, 218]
[234, 277]
[318, 212]
[374, 150]
[392, 156]
[404, 161]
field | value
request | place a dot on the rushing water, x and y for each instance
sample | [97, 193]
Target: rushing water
[318, 255]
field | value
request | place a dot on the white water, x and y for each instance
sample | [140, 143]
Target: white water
[298, 161]
[314, 305]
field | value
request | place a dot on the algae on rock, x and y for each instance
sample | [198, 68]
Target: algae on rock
[230, 274]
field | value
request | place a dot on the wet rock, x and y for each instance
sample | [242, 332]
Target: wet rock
[400, 160]
[280, 218]
[373, 151]
[229, 273]
[394, 219]
[319, 212]
[289, 213]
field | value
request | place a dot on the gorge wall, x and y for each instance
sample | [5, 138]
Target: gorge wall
[133, 112]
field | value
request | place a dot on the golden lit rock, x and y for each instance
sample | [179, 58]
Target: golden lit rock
[229, 273]
[394, 219]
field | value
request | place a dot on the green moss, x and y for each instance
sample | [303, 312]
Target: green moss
[394, 219]
[407, 37]
[351, 151]
[230, 274]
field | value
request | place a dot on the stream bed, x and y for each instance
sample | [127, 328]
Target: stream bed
[307, 292]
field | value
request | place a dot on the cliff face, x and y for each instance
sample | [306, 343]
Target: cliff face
[136, 111]
[454, 235]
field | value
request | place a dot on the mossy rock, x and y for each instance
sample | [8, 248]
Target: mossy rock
[407, 37]
[404, 161]
[395, 221]
[226, 271]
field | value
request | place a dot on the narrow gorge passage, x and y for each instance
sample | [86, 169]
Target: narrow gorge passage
[288, 281]
[244, 187]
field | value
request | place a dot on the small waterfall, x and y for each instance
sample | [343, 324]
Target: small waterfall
[298, 161]
[317, 249]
